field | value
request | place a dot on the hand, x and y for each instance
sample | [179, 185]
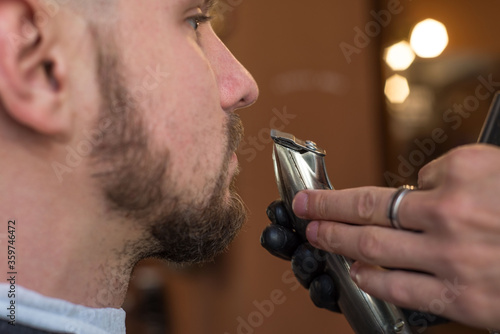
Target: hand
[308, 264]
[448, 251]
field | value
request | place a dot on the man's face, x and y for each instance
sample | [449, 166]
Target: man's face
[169, 89]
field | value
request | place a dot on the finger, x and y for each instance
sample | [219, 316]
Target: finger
[405, 289]
[307, 264]
[423, 319]
[323, 293]
[357, 205]
[431, 175]
[278, 214]
[280, 241]
[362, 206]
[377, 246]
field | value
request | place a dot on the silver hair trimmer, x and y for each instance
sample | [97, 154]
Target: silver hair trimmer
[300, 165]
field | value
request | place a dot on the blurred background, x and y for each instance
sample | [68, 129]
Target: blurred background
[383, 86]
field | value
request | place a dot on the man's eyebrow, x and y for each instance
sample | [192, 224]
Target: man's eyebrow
[210, 5]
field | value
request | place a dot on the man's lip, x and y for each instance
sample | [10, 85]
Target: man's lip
[233, 164]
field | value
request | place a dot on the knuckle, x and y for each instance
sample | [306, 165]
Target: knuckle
[421, 176]
[461, 154]
[471, 306]
[476, 306]
[459, 260]
[321, 206]
[450, 210]
[424, 174]
[328, 240]
[366, 203]
[451, 258]
[458, 161]
[442, 210]
[369, 246]
[454, 258]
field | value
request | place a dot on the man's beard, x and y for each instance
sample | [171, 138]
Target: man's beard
[137, 184]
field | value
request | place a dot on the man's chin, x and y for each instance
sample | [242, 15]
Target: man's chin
[193, 235]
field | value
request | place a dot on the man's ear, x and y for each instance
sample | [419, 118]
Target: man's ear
[31, 70]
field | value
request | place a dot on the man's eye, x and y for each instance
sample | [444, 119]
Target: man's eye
[195, 21]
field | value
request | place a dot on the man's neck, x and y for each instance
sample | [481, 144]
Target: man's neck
[94, 276]
[64, 251]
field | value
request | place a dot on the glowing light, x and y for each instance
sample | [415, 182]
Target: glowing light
[397, 89]
[399, 56]
[429, 38]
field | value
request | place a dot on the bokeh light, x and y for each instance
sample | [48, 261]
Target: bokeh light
[397, 89]
[429, 38]
[399, 56]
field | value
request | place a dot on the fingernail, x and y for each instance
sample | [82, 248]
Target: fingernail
[355, 276]
[299, 204]
[312, 233]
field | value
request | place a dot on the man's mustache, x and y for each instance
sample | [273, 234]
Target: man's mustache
[234, 132]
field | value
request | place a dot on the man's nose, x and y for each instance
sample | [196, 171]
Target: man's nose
[237, 87]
